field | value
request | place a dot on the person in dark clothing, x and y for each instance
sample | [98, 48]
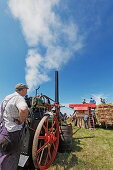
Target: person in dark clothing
[102, 100]
[74, 119]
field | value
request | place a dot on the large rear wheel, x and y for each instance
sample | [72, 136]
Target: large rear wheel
[45, 142]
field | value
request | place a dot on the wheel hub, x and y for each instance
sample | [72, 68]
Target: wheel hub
[50, 137]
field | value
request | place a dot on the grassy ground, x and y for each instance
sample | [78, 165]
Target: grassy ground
[91, 150]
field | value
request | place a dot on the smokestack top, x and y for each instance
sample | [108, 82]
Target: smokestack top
[56, 88]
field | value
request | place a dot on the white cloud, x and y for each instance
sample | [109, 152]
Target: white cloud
[41, 26]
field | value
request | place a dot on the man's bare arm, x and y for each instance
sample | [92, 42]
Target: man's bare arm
[23, 114]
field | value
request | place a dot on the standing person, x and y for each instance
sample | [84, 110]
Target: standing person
[74, 118]
[65, 117]
[84, 101]
[14, 111]
[86, 121]
[102, 100]
[92, 101]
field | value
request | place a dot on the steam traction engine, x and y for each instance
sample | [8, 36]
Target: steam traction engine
[40, 138]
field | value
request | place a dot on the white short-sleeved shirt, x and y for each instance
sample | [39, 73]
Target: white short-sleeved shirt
[14, 104]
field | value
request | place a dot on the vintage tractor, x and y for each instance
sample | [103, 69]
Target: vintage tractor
[40, 138]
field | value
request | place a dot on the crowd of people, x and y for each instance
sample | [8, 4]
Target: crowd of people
[92, 101]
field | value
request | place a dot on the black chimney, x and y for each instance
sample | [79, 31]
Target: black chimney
[56, 88]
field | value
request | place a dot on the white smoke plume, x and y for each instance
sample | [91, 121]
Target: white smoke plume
[33, 63]
[52, 41]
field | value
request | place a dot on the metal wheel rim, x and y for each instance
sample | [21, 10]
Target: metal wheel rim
[45, 142]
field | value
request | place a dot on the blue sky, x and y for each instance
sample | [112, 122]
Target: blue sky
[71, 36]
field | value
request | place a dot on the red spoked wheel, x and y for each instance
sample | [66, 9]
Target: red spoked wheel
[45, 142]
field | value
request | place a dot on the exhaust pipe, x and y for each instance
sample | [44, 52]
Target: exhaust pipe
[56, 88]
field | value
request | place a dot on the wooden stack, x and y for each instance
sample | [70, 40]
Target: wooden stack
[104, 113]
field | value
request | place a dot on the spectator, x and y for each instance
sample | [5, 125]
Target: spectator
[65, 116]
[102, 100]
[86, 117]
[61, 116]
[74, 119]
[84, 101]
[92, 101]
[93, 116]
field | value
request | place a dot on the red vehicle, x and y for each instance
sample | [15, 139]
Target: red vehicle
[40, 139]
[81, 110]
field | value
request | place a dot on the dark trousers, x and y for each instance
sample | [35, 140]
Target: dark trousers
[9, 149]
[86, 124]
[75, 122]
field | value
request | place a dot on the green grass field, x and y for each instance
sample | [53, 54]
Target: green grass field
[91, 150]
